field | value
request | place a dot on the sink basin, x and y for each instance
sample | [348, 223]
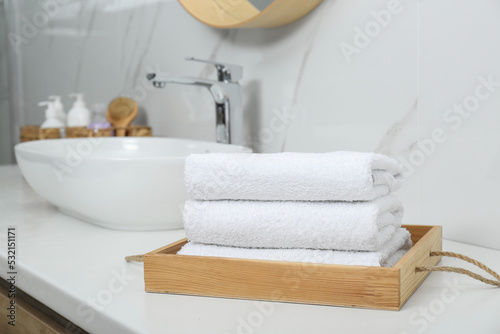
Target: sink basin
[128, 183]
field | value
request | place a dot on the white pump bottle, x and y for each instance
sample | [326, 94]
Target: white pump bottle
[79, 115]
[51, 120]
[58, 106]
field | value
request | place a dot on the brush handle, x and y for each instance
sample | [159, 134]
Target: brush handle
[120, 132]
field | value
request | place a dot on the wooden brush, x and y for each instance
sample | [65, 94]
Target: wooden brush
[121, 112]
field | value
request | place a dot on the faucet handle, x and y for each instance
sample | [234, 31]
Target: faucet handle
[225, 72]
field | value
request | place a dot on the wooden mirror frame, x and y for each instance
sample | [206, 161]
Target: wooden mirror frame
[227, 14]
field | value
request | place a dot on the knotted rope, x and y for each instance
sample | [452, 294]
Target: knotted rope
[462, 270]
[134, 258]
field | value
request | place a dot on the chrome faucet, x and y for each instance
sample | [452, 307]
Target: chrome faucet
[227, 95]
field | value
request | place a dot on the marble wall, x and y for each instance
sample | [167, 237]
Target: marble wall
[415, 79]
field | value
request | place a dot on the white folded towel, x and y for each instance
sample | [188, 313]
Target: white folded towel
[394, 258]
[291, 224]
[383, 258]
[336, 176]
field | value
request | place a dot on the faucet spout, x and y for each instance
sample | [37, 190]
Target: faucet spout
[160, 80]
[226, 92]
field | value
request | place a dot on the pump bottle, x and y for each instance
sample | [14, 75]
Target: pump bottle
[51, 120]
[58, 106]
[79, 115]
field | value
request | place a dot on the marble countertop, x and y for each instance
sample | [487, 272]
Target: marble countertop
[79, 271]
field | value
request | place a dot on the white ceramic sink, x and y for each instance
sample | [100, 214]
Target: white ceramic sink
[118, 183]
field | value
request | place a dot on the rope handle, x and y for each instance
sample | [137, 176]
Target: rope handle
[135, 258]
[462, 270]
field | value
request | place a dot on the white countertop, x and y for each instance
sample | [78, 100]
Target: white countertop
[68, 265]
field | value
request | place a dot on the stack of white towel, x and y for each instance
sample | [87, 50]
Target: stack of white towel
[332, 208]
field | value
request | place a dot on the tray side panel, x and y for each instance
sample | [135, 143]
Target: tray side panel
[355, 286]
[419, 255]
[417, 231]
[172, 248]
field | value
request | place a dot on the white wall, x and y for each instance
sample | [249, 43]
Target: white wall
[390, 95]
[6, 153]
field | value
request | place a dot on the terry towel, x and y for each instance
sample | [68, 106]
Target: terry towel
[335, 176]
[290, 224]
[390, 253]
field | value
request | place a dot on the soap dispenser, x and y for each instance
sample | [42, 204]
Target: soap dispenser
[79, 115]
[58, 106]
[99, 120]
[51, 119]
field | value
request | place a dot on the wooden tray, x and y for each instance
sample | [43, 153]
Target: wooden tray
[321, 284]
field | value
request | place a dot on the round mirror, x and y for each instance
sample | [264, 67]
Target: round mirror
[260, 4]
[227, 14]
